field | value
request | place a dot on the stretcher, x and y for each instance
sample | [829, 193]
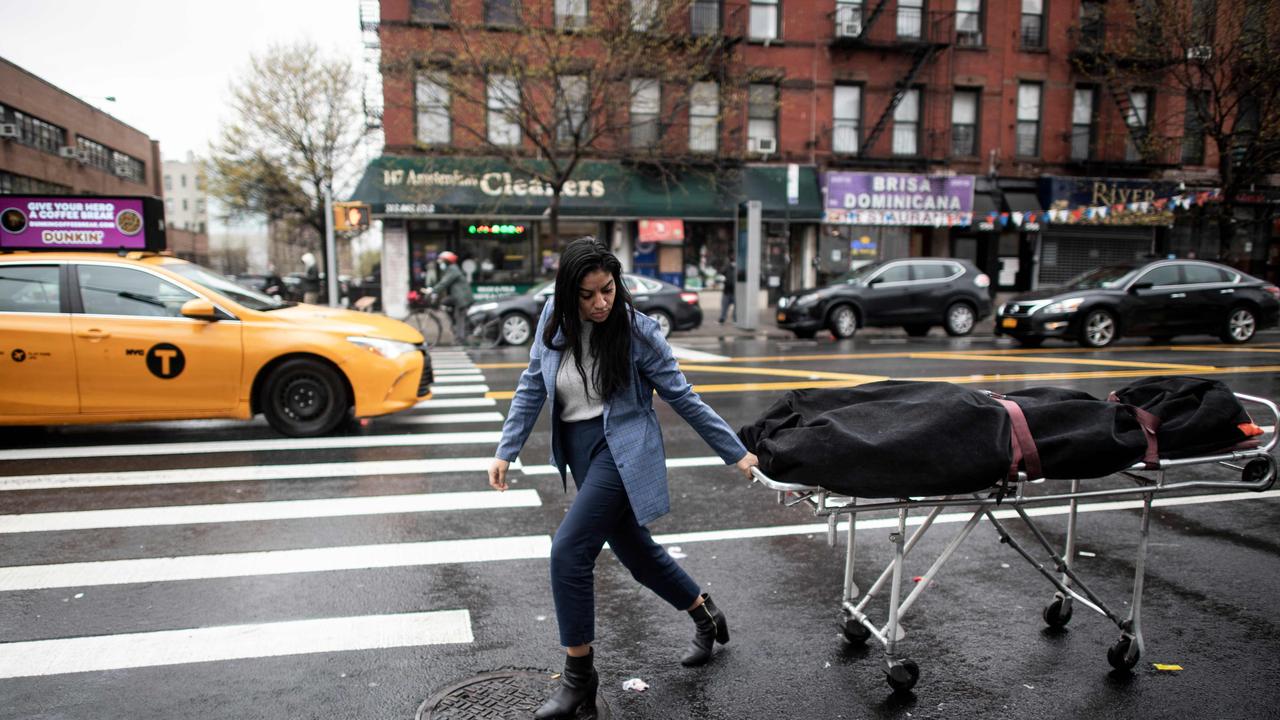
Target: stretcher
[1252, 469]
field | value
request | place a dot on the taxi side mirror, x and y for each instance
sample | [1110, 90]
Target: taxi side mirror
[199, 309]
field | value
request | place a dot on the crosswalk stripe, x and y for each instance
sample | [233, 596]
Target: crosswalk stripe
[459, 390]
[445, 418]
[684, 353]
[272, 562]
[705, 461]
[233, 642]
[456, 403]
[223, 446]
[446, 379]
[241, 473]
[457, 371]
[273, 510]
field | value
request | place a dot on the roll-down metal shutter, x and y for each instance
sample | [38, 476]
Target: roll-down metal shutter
[1067, 251]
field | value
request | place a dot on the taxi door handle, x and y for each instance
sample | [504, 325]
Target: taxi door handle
[1178, 295]
[93, 334]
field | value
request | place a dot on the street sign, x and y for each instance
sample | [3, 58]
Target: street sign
[350, 216]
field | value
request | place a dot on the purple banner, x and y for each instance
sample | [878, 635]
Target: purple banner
[71, 223]
[897, 199]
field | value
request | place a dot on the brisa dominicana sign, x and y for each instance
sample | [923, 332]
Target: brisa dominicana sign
[897, 199]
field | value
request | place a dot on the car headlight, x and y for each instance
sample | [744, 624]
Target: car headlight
[782, 303]
[482, 307]
[389, 349]
[1063, 307]
[1000, 310]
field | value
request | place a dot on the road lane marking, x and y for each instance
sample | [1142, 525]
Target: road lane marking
[455, 403]
[1059, 361]
[273, 510]
[272, 562]
[459, 390]
[684, 353]
[271, 444]
[781, 372]
[456, 371]
[447, 379]
[444, 418]
[704, 461]
[37, 658]
[245, 473]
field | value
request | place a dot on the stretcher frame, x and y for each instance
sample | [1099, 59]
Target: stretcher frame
[1257, 468]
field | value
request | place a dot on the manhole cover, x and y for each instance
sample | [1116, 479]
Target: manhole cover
[505, 695]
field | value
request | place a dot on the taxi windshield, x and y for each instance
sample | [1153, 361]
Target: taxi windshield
[226, 287]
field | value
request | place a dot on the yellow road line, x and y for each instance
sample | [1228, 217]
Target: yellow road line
[780, 372]
[1062, 361]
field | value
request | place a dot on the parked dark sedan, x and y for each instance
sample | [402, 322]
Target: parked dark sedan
[1158, 299]
[673, 308]
[916, 293]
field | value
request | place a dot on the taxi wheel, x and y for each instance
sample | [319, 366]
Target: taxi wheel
[303, 397]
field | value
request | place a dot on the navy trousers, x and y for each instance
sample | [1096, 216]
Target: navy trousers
[601, 512]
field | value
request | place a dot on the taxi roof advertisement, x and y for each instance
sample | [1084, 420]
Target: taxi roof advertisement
[65, 222]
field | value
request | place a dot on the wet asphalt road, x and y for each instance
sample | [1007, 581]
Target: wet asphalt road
[1213, 569]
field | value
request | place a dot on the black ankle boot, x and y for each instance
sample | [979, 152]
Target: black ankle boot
[578, 686]
[712, 628]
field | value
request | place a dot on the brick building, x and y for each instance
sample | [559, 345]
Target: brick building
[1050, 164]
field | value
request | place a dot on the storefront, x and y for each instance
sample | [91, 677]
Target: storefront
[882, 216]
[496, 218]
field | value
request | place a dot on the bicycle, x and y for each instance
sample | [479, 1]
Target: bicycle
[424, 315]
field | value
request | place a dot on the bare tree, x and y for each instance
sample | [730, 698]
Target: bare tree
[1220, 59]
[554, 85]
[297, 128]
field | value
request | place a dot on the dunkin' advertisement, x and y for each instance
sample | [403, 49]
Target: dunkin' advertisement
[78, 223]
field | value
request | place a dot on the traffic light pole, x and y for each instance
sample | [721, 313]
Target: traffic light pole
[330, 251]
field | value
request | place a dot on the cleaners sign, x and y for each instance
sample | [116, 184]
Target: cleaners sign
[897, 199]
[77, 223]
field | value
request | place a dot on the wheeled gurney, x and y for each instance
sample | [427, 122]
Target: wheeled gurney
[1257, 472]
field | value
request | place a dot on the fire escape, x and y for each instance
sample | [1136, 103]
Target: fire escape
[921, 36]
[371, 95]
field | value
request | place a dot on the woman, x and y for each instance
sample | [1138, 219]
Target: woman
[600, 361]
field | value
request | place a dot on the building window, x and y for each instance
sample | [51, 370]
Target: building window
[183, 179]
[1028, 143]
[910, 19]
[1032, 24]
[1136, 119]
[906, 124]
[431, 12]
[969, 23]
[1092, 24]
[94, 154]
[964, 123]
[1193, 128]
[704, 18]
[704, 117]
[846, 129]
[34, 131]
[646, 101]
[502, 13]
[571, 109]
[23, 185]
[848, 19]
[199, 182]
[644, 13]
[571, 14]
[764, 19]
[432, 96]
[168, 182]
[762, 118]
[504, 110]
[1082, 124]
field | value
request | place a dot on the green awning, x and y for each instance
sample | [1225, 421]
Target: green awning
[411, 187]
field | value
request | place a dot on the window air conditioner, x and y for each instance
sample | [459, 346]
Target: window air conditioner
[1200, 52]
[8, 130]
[70, 152]
[764, 146]
[850, 29]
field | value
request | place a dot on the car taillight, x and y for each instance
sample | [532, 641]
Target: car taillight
[689, 297]
[1275, 291]
[982, 280]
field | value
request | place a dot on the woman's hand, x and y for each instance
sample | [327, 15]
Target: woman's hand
[498, 474]
[747, 462]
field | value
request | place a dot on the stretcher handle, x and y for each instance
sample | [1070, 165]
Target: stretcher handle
[1275, 417]
[772, 484]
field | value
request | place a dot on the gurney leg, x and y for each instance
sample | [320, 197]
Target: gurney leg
[850, 587]
[1125, 653]
[900, 673]
[1058, 612]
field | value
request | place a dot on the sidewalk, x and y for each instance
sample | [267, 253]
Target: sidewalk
[767, 327]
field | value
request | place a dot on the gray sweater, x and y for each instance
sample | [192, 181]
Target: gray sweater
[576, 403]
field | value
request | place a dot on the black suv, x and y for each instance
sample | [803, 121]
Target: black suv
[1156, 298]
[916, 293]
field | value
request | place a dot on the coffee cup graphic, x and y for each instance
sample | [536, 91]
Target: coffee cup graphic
[13, 220]
[128, 222]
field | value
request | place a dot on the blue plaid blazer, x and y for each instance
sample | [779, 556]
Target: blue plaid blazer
[630, 423]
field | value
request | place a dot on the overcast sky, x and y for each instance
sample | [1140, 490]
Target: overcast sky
[168, 63]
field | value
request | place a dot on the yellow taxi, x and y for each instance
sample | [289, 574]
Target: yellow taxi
[91, 337]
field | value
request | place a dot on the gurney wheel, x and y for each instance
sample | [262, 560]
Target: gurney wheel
[1116, 655]
[902, 676]
[1257, 470]
[1055, 615]
[854, 631]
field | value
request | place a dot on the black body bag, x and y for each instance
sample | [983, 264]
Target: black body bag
[1196, 416]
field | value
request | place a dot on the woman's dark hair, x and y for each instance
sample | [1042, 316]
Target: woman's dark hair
[610, 345]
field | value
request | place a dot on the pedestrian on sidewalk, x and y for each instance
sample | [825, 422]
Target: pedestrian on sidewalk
[599, 360]
[728, 293]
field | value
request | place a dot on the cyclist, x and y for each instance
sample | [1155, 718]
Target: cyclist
[455, 293]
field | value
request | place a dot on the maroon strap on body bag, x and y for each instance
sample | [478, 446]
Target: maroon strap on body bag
[1024, 446]
[1150, 424]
